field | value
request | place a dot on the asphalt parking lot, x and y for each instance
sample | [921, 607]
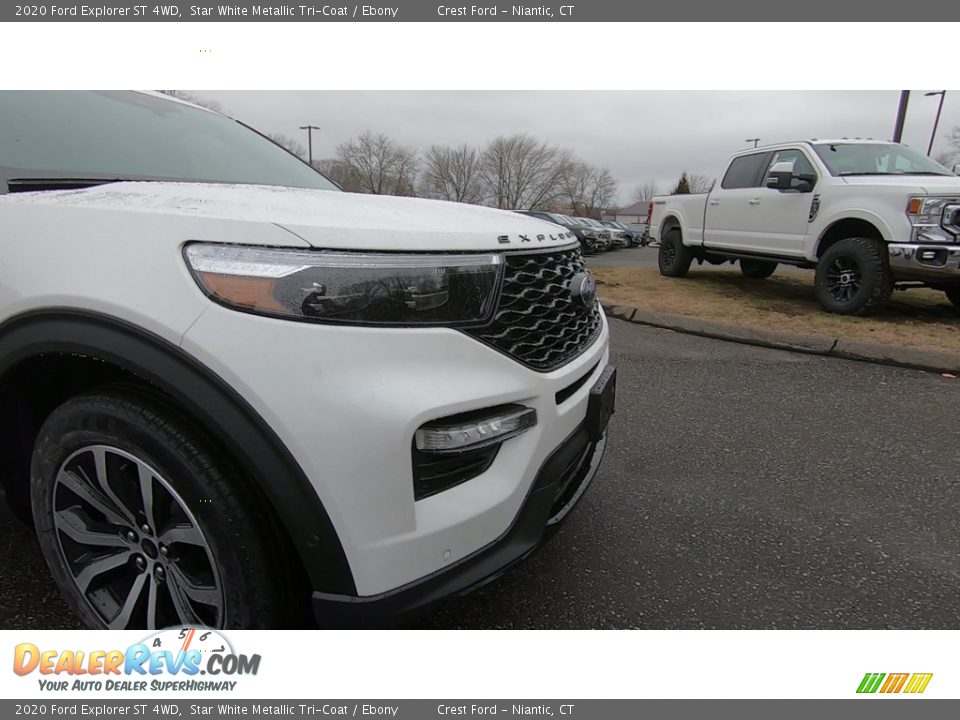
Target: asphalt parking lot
[742, 488]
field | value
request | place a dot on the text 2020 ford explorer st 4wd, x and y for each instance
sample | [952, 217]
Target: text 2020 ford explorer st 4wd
[230, 392]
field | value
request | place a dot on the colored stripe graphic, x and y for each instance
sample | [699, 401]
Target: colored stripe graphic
[894, 683]
[918, 682]
[870, 682]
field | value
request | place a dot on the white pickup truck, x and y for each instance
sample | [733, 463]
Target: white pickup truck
[868, 216]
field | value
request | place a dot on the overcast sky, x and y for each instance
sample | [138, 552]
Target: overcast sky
[638, 135]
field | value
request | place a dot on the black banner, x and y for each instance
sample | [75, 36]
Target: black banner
[455, 11]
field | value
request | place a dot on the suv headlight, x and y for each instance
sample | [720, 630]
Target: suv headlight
[349, 287]
[934, 219]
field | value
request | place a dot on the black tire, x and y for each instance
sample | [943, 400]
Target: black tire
[757, 269]
[674, 257]
[210, 557]
[853, 276]
[953, 295]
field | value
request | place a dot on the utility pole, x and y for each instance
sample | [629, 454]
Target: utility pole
[309, 129]
[901, 115]
[933, 135]
[755, 141]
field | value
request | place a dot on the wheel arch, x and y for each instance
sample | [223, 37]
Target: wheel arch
[851, 226]
[59, 351]
[671, 221]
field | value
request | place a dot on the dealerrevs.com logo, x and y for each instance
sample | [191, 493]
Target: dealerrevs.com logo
[178, 659]
[892, 683]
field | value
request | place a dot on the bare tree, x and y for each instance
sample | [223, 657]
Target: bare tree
[952, 156]
[341, 173]
[381, 166]
[520, 172]
[291, 144]
[645, 192]
[191, 98]
[700, 183]
[588, 189]
[946, 158]
[452, 174]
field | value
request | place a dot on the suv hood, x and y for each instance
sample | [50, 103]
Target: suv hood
[321, 218]
[912, 184]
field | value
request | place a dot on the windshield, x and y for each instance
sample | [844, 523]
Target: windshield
[876, 159]
[129, 135]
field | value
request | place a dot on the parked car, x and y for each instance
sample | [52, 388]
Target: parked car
[641, 231]
[867, 216]
[601, 234]
[232, 394]
[589, 238]
[621, 234]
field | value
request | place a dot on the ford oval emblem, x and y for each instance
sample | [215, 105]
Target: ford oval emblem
[583, 289]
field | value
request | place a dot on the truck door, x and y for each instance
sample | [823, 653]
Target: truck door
[730, 206]
[777, 220]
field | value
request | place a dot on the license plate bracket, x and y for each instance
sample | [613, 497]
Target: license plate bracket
[602, 403]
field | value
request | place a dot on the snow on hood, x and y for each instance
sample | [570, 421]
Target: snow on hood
[322, 218]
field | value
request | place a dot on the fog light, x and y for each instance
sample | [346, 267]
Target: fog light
[470, 431]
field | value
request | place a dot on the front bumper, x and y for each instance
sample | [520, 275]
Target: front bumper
[924, 261]
[557, 489]
[346, 402]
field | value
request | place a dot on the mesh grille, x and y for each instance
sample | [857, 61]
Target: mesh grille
[537, 320]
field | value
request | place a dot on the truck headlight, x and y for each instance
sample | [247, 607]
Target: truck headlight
[933, 218]
[349, 287]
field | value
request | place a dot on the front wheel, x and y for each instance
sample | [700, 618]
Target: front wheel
[953, 295]
[674, 257]
[853, 276]
[757, 269]
[144, 525]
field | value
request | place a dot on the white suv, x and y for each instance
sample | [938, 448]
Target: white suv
[232, 394]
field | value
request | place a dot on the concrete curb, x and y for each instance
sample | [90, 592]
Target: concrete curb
[913, 358]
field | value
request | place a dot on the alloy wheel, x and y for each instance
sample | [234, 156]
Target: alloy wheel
[131, 545]
[843, 278]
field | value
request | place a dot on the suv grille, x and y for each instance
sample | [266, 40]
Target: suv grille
[537, 320]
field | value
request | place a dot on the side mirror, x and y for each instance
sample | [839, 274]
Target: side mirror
[956, 169]
[781, 177]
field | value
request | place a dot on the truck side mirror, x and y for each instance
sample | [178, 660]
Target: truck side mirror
[782, 177]
[956, 169]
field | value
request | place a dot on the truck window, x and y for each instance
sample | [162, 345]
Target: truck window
[801, 165]
[744, 171]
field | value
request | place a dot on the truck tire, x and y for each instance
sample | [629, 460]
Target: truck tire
[853, 276]
[674, 257]
[757, 269]
[144, 524]
[953, 295]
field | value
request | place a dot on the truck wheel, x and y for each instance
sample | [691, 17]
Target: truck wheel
[674, 257]
[853, 276]
[953, 295]
[145, 525]
[757, 269]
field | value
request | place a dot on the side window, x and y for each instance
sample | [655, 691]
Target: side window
[744, 171]
[801, 165]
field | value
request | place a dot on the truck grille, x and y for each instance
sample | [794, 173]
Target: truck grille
[537, 320]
